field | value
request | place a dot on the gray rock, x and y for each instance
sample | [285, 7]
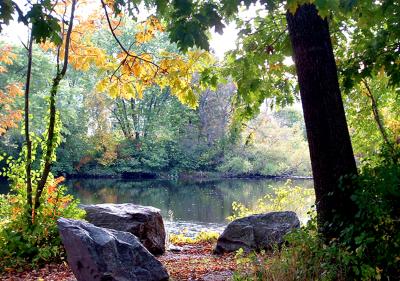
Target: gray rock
[99, 254]
[145, 223]
[256, 232]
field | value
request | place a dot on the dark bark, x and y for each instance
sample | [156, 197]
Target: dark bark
[28, 167]
[328, 137]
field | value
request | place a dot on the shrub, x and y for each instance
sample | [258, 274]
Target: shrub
[305, 257]
[374, 236]
[367, 249]
[285, 198]
[236, 165]
[31, 239]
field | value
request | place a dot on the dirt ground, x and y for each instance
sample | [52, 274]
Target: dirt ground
[193, 262]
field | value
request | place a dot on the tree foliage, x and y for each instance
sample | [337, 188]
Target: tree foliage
[9, 114]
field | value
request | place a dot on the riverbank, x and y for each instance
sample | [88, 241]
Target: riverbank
[191, 176]
[195, 261]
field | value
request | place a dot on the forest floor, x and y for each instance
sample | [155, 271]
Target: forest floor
[193, 262]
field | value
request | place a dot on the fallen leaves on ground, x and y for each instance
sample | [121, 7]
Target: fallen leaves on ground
[194, 263]
[50, 272]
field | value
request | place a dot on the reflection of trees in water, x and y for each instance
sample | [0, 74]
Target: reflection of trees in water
[209, 201]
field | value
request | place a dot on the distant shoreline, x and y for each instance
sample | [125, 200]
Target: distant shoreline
[197, 175]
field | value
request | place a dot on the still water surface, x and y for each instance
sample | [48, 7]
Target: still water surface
[185, 206]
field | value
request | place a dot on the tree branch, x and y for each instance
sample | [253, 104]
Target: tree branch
[119, 42]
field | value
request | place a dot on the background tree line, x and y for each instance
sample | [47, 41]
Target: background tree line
[104, 136]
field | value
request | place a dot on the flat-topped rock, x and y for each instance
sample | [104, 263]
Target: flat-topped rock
[256, 232]
[100, 254]
[144, 222]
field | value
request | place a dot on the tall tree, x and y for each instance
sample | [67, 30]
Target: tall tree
[328, 137]
[329, 142]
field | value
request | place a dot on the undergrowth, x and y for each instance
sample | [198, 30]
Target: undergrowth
[367, 249]
[32, 239]
[202, 236]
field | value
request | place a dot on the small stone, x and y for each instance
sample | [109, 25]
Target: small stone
[174, 248]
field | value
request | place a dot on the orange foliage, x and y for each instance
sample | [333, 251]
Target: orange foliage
[148, 30]
[53, 198]
[9, 115]
[128, 74]
[83, 161]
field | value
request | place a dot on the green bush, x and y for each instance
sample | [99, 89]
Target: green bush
[367, 249]
[284, 198]
[270, 150]
[32, 239]
[374, 236]
[305, 257]
[236, 165]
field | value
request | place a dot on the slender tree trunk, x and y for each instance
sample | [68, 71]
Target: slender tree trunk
[50, 140]
[52, 122]
[377, 116]
[126, 118]
[120, 121]
[328, 137]
[135, 119]
[27, 136]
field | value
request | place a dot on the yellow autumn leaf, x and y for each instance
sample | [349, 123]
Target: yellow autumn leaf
[114, 91]
[139, 90]
[128, 91]
[102, 86]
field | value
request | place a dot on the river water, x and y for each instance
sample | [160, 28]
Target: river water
[186, 206]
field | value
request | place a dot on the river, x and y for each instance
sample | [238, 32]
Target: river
[186, 206]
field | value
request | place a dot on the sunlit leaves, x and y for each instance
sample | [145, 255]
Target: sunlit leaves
[126, 72]
[9, 115]
[360, 104]
[136, 74]
[6, 55]
[148, 30]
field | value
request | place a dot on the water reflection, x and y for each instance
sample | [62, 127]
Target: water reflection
[201, 204]
[189, 206]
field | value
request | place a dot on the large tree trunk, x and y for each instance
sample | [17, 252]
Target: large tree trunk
[328, 137]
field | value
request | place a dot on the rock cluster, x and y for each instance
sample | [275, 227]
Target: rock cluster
[96, 253]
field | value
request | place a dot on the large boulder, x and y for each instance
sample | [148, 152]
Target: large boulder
[100, 254]
[145, 223]
[256, 232]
